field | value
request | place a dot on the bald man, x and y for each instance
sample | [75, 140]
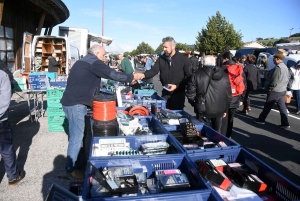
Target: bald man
[83, 80]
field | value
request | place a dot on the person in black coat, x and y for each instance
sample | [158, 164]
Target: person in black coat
[54, 63]
[194, 61]
[218, 95]
[252, 78]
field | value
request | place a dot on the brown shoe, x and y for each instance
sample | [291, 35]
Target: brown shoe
[14, 182]
[76, 174]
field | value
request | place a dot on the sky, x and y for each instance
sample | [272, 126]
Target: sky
[131, 22]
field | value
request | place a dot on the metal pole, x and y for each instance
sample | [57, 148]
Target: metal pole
[291, 33]
[102, 19]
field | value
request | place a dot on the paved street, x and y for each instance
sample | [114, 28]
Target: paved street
[277, 147]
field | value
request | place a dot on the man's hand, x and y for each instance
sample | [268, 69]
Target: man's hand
[224, 115]
[138, 76]
[172, 87]
[241, 103]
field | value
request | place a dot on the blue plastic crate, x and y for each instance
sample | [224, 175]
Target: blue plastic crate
[200, 190]
[137, 99]
[136, 142]
[183, 113]
[277, 184]
[38, 85]
[37, 77]
[148, 92]
[215, 137]
[155, 126]
[60, 84]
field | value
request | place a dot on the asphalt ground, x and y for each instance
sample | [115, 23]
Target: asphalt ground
[278, 148]
[42, 153]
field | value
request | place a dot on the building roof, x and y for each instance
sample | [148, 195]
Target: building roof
[57, 11]
[253, 44]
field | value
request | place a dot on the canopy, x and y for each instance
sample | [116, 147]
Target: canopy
[99, 39]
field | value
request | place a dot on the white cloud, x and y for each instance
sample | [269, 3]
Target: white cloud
[116, 47]
[90, 12]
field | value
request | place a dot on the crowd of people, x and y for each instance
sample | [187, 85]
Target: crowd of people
[214, 85]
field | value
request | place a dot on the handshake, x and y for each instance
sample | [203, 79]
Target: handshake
[138, 76]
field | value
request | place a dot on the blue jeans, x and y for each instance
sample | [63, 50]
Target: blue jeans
[297, 98]
[76, 117]
[7, 151]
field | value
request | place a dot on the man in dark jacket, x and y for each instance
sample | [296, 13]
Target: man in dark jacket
[83, 80]
[218, 94]
[252, 78]
[194, 62]
[7, 151]
[175, 70]
[236, 101]
[53, 64]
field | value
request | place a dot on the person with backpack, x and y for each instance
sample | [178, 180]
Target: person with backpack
[238, 88]
[210, 84]
[252, 78]
[275, 85]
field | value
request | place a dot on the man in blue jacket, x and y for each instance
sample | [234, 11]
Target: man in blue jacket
[83, 80]
[7, 150]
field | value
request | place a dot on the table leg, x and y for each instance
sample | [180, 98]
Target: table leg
[42, 104]
[28, 101]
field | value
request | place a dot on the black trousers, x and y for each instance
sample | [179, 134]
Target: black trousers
[246, 101]
[175, 100]
[227, 122]
[214, 123]
[278, 98]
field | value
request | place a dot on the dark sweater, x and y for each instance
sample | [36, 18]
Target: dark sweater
[176, 70]
[53, 64]
[252, 76]
[84, 79]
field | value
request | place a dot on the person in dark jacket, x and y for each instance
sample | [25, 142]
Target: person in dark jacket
[252, 78]
[194, 62]
[83, 80]
[218, 94]
[236, 101]
[54, 63]
[7, 151]
[175, 70]
[219, 61]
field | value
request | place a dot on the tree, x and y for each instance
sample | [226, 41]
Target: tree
[133, 53]
[144, 48]
[159, 49]
[270, 44]
[282, 40]
[181, 46]
[217, 35]
[260, 39]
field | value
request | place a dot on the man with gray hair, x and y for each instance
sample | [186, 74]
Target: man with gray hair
[175, 70]
[212, 85]
[83, 81]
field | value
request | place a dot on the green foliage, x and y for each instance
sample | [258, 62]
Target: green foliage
[144, 48]
[217, 35]
[159, 49]
[259, 38]
[282, 40]
[133, 53]
[181, 46]
[295, 35]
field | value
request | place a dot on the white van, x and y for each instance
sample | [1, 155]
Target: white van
[289, 60]
[37, 49]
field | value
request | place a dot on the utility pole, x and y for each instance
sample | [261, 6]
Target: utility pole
[102, 19]
[291, 33]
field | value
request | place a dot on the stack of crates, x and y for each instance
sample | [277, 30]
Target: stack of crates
[57, 121]
[40, 80]
[20, 84]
